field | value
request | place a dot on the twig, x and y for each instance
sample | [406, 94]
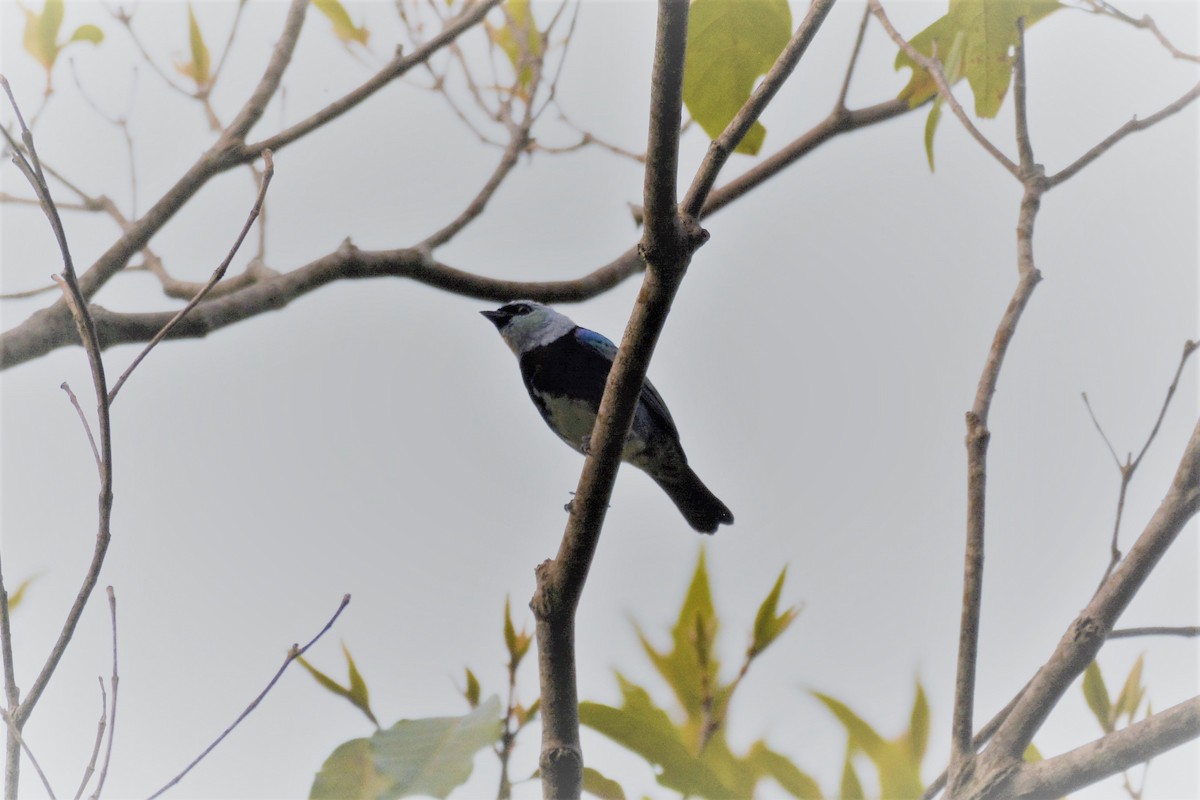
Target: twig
[216, 276]
[1145, 23]
[1129, 467]
[114, 682]
[934, 67]
[90, 769]
[87, 428]
[294, 652]
[28, 162]
[1186, 631]
[840, 103]
[1132, 126]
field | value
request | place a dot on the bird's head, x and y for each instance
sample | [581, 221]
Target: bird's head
[525, 324]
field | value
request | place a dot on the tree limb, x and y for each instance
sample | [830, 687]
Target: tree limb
[1113, 753]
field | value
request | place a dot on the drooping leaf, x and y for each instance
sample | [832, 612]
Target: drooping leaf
[972, 40]
[47, 32]
[343, 28]
[768, 625]
[597, 785]
[519, 39]
[429, 757]
[989, 31]
[1096, 695]
[730, 44]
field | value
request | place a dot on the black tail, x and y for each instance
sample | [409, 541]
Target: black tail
[699, 506]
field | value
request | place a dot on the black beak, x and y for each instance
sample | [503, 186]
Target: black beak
[498, 318]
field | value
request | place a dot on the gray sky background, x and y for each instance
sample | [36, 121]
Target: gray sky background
[374, 438]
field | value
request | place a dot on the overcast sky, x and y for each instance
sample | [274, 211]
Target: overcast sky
[374, 437]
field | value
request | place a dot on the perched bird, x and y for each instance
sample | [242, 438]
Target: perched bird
[565, 367]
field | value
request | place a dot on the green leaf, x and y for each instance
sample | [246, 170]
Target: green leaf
[349, 774]
[989, 31]
[795, 782]
[1032, 754]
[681, 666]
[730, 44]
[343, 28]
[644, 728]
[918, 727]
[1096, 694]
[898, 776]
[430, 757]
[356, 692]
[47, 32]
[472, 690]
[87, 33]
[1131, 693]
[767, 624]
[851, 788]
[597, 785]
[198, 68]
[519, 39]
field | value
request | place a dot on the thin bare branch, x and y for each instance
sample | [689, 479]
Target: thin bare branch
[398, 66]
[114, 682]
[294, 652]
[87, 428]
[12, 695]
[1133, 126]
[90, 769]
[1146, 22]
[934, 67]
[216, 276]
[840, 104]
[1185, 631]
[1100, 430]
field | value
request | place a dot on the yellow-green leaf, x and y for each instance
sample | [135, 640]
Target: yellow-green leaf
[918, 726]
[1096, 694]
[1131, 693]
[17, 595]
[358, 694]
[519, 39]
[795, 782]
[343, 28]
[597, 785]
[898, 776]
[851, 788]
[198, 68]
[87, 33]
[767, 624]
[472, 690]
[730, 44]
[680, 666]
[48, 25]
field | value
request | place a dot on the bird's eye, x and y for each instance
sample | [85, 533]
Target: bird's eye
[521, 309]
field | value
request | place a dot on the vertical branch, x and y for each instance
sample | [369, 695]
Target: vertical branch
[667, 245]
[1031, 175]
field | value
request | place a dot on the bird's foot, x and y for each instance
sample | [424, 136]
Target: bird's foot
[570, 503]
[585, 444]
